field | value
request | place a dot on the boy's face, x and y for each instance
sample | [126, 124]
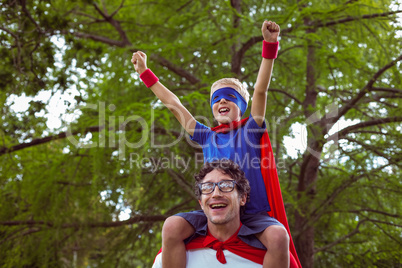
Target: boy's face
[225, 111]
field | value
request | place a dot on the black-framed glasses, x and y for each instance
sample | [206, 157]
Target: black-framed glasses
[224, 186]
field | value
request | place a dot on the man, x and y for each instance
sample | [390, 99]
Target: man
[222, 191]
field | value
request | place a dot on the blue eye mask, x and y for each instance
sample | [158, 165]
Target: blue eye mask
[227, 94]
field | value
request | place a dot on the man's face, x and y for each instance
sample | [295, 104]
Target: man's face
[220, 207]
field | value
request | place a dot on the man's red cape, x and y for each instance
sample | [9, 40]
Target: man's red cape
[274, 194]
[233, 244]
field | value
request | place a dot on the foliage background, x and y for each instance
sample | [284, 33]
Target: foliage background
[63, 189]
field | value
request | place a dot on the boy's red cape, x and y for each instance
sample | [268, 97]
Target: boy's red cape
[271, 180]
[274, 194]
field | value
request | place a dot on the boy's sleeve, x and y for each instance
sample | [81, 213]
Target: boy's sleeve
[201, 133]
[253, 130]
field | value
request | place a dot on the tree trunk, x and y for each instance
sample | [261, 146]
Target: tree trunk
[304, 241]
[236, 60]
[311, 161]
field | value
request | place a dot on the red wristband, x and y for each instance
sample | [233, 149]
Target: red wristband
[269, 50]
[149, 78]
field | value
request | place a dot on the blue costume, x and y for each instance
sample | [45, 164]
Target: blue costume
[242, 146]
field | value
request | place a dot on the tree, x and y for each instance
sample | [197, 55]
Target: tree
[63, 190]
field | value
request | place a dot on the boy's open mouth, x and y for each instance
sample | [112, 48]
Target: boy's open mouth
[224, 110]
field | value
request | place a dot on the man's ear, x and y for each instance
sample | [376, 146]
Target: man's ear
[243, 200]
[199, 201]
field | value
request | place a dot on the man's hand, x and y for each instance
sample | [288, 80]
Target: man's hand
[270, 31]
[139, 60]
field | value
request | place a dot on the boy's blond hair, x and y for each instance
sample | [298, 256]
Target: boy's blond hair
[233, 82]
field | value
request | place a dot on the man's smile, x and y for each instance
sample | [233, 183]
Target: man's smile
[218, 205]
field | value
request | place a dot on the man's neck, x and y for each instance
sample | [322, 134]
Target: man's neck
[223, 232]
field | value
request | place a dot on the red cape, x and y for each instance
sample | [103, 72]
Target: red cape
[273, 188]
[274, 194]
[233, 244]
[271, 181]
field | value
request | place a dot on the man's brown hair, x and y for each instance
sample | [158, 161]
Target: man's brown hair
[227, 167]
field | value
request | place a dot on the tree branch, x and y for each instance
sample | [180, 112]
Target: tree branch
[117, 10]
[125, 42]
[238, 56]
[114, 23]
[386, 223]
[355, 231]
[74, 184]
[365, 89]
[387, 234]
[86, 15]
[358, 211]
[316, 215]
[342, 133]
[390, 90]
[183, 6]
[18, 45]
[313, 24]
[98, 38]
[182, 182]
[176, 69]
[131, 220]
[287, 94]
[28, 222]
[236, 60]
[179, 207]
[375, 150]
[62, 135]
[24, 9]
[351, 18]
[10, 32]
[27, 232]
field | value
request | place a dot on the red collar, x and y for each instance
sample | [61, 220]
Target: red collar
[225, 128]
[233, 244]
[211, 242]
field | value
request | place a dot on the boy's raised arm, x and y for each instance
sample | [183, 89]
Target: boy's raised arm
[270, 32]
[168, 98]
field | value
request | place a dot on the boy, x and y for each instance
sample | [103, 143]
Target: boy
[236, 141]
